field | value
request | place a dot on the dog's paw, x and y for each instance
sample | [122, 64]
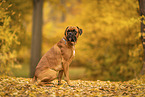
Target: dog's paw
[69, 84]
[59, 83]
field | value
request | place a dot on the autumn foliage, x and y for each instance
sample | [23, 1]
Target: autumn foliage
[11, 86]
[109, 51]
[10, 28]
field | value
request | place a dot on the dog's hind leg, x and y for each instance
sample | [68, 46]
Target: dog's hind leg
[46, 76]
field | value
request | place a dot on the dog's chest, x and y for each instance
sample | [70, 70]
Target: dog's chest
[68, 53]
[73, 52]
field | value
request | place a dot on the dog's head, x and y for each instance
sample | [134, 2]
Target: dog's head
[72, 33]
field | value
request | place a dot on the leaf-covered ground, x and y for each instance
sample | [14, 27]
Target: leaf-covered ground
[12, 86]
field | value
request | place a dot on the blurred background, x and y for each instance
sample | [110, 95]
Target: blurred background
[110, 47]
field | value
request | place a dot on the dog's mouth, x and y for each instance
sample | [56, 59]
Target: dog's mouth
[71, 38]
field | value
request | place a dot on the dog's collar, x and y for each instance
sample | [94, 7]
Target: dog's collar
[64, 40]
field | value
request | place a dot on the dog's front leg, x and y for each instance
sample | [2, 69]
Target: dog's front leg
[66, 72]
[60, 74]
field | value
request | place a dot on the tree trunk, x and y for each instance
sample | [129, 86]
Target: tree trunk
[36, 35]
[63, 16]
[142, 13]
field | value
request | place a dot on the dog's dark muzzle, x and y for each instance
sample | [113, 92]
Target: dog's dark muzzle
[71, 37]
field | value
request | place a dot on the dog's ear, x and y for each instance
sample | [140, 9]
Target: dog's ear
[65, 31]
[80, 30]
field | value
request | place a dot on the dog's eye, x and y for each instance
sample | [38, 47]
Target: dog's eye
[75, 31]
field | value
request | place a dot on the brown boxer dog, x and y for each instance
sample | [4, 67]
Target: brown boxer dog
[57, 59]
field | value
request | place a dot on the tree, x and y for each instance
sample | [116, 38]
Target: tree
[142, 13]
[11, 32]
[63, 17]
[111, 50]
[36, 35]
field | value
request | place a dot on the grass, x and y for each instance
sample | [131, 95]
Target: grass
[21, 72]
[77, 73]
[74, 72]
